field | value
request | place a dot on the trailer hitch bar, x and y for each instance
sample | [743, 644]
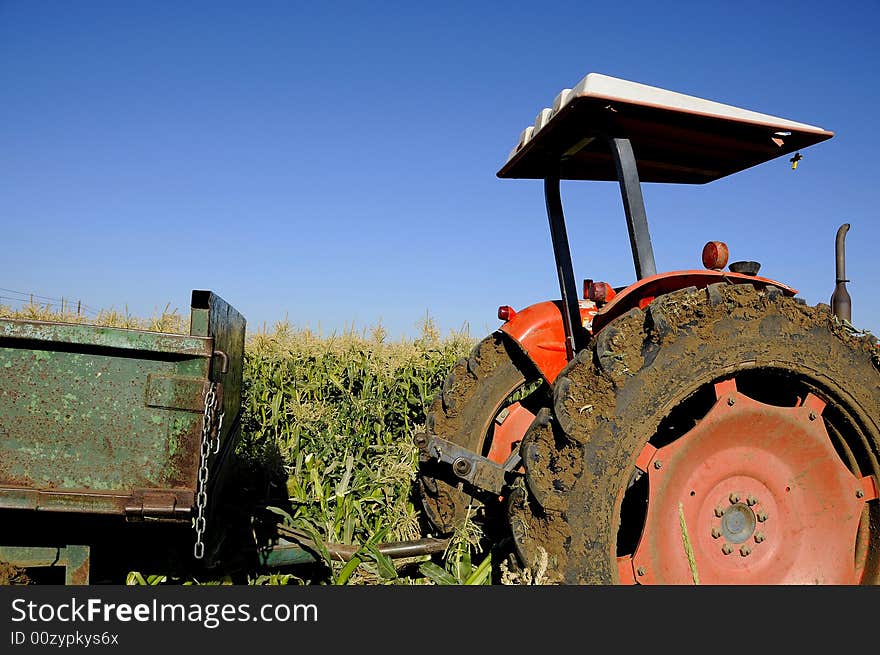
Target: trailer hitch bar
[479, 471]
[293, 547]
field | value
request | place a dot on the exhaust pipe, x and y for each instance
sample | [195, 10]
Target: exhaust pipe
[841, 304]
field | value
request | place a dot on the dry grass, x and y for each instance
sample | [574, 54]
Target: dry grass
[167, 320]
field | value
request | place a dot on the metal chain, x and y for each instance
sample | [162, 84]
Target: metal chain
[207, 447]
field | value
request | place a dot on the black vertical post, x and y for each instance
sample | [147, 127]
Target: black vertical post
[575, 334]
[634, 207]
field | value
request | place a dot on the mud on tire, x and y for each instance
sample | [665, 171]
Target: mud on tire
[473, 394]
[634, 383]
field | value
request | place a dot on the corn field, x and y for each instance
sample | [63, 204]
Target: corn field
[336, 415]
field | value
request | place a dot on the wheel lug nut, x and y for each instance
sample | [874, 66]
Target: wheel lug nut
[734, 498]
[745, 551]
[716, 533]
[761, 516]
[658, 464]
[731, 401]
[461, 466]
[641, 570]
[727, 549]
[751, 500]
[860, 494]
[813, 416]
[759, 537]
[719, 511]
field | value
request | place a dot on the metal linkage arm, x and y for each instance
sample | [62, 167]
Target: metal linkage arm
[481, 472]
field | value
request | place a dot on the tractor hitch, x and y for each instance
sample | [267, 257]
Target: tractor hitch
[475, 469]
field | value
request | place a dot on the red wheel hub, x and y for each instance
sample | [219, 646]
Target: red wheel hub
[753, 494]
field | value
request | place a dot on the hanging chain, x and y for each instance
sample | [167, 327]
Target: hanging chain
[209, 444]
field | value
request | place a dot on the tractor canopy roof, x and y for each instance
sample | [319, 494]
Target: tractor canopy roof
[676, 138]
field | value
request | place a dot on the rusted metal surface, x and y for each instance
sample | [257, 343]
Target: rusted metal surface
[213, 317]
[103, 420]
[75, 559]
[758, 493]
[79, 337]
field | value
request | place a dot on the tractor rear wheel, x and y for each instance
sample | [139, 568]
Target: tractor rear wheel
[487, 402]
[723, 436]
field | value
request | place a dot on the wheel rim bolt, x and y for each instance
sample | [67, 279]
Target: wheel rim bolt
[719, 511]
[813, 416]
[641, 570]
[658, 464]
[759, 537]
[734, 498]
[752, 501]
[761, 516]
[745, 551]
[731, 401]
[716, 533]
[727, 549]
[461, 466]
[860, 494]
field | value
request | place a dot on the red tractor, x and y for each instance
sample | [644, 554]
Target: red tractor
[697, 426]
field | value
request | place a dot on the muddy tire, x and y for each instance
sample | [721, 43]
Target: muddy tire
[474, 393]
[658, 382]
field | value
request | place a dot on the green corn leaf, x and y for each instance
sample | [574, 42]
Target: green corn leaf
[437, 574]
[280, 512]
[481, 573]
[349, 568]
[386, 567]
[462, 565]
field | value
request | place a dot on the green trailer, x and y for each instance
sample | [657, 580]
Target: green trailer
[103, 429]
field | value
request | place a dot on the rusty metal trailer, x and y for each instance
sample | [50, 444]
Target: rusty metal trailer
[103, 428]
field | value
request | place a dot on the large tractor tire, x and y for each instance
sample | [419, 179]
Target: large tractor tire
[724, 435]
[487, 402]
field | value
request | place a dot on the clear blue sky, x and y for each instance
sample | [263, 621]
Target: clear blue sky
[335, 162]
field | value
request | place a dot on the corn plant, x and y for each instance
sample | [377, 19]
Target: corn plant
[459, 568]
[339, 412]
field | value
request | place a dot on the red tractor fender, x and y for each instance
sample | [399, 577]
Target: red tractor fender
[538, 329]
[641, 293]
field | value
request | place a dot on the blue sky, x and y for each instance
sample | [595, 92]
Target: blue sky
[335, 163]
